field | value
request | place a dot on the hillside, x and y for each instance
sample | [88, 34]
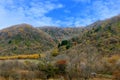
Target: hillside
[97, 50]
[24, 39]
[103, 36]
[92, 52]
[59, 34]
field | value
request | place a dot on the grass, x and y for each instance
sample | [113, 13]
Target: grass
[30, 56]
[101, 79]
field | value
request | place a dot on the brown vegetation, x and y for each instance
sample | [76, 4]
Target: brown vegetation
[22, 39]
[31, 56]
[93, 55]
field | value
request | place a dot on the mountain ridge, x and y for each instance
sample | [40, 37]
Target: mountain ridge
[24, 38]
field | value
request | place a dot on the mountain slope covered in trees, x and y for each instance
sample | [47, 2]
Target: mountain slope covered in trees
[96, 50]
[103, 35]
[24, 39]
[92, 52]
[59, 34]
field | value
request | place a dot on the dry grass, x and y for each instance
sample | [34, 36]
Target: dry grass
[101, 79]
[31, 56]
[113, 59]
[1, 78]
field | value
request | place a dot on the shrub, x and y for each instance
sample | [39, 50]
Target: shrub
[15, 76]
[65, 43]
[114, 59]
[61, 65]
[116, 75]
[49, 69]
[55, 52]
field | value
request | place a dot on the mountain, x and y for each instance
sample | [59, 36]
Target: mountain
[92, 52]
[96, 50]
[24, 39]
[101, 37]
[59, 34]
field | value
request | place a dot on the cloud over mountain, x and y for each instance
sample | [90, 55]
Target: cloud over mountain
[56, 12]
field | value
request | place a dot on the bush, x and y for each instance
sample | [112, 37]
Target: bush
[55, 52]
[116, 75]
[49, 69]
[61, 65]
[65, 43]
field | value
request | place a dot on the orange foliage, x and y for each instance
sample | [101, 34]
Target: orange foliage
[61, 62]
[114, 59]
[31, 56]
[116, 75]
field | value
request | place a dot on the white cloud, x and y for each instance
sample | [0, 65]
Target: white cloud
[35, 12]
[106, 9]
[99, 10]
[12, 12]
[83, 22]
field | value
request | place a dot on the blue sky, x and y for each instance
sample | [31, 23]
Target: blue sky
[64, 13]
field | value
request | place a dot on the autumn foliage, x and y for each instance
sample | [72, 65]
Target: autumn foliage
[61, 62]
[61, 65]
[116, 75]
[31, 56]
[114, 59]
